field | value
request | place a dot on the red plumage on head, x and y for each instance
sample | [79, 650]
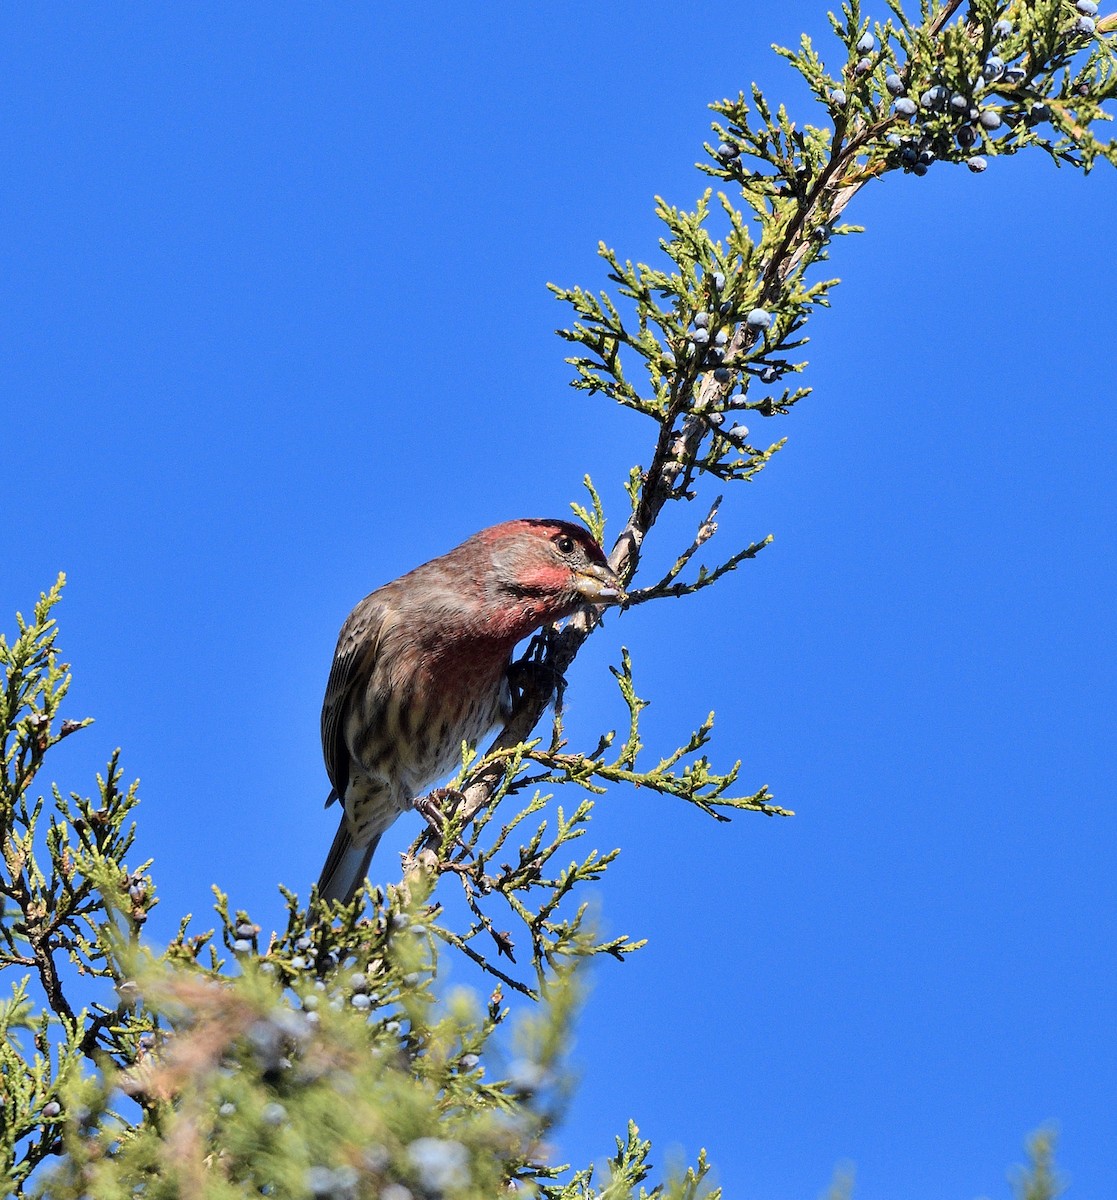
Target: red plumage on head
[528, 584]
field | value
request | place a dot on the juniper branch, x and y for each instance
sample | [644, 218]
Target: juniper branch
[736, 308]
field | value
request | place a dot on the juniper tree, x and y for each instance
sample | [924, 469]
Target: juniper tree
[322, 1059]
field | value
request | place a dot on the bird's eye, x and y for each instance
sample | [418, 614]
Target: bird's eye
[565, 543]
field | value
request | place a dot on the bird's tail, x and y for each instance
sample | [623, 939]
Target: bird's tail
[346, 866]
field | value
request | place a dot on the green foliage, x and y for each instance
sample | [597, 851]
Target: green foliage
[320, 1059]
[342, 1084]
[1039, 1180]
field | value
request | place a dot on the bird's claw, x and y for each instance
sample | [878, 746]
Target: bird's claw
[533, 681]
[430, 806]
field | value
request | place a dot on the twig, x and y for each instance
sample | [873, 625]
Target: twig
[459, 943]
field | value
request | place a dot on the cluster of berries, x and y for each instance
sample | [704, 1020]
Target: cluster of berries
[757, 320]
[710, 340]
[975, 121]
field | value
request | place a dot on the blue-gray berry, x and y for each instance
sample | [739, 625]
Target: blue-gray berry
[298, 963]
[977, 164]
[719, 281]
[320, 1181]
[440, 1164]
[358, 981]
[129, 992]
[245, 929]
[994, 68]
[723, 374]
[701, 320]
[959, 103]
[1085, 25]
[966, 136]
[242, 946]
[738, 433]
[838, 97]
[769, 375]
[346, 1179]
[759, 318]
[867, 43]
[1039, 112]
[52, 1108]
[1002, 29]
[227, 1109]
[727, 150]
[1015, 75]
[1087, 7]
[700, 336]
[933, 97]
[894, 84]
[361, 1001]
[304, 943]
[990, 119]
[905, 107]
[469, 1061]
[721, 337]
[274, 1113]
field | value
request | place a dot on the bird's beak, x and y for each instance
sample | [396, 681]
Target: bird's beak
[597, 584]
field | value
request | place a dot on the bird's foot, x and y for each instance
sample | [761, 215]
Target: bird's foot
[431, 808]
[533, 683]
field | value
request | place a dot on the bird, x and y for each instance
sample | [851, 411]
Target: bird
[421, 666]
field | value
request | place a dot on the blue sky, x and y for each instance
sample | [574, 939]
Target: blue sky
[275, 329]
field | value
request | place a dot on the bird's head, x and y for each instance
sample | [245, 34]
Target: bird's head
[549, 567]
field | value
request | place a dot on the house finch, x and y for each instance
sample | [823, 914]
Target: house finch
[421, 666]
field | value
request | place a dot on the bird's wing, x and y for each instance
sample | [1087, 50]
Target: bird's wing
[354, 661]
